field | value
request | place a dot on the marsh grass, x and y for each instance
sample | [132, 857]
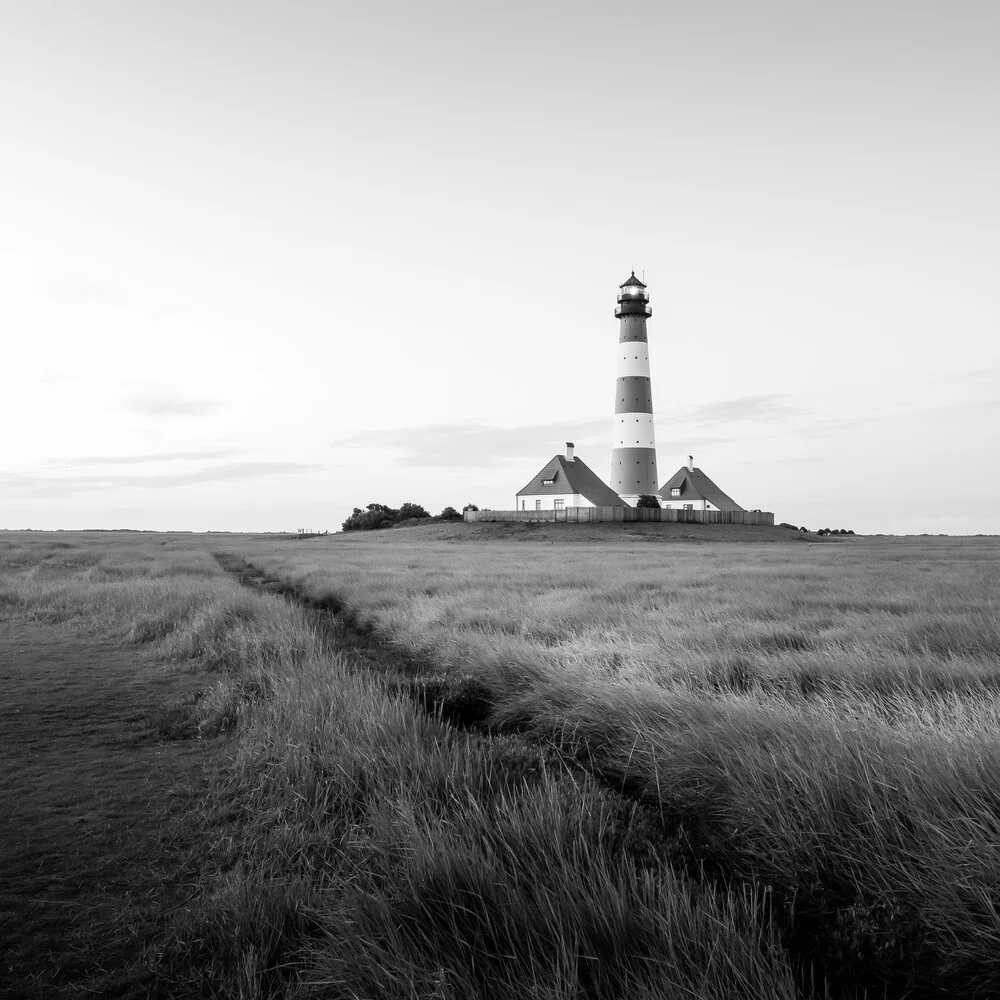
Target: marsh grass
[359, 845]
[706, 771]
[815, 723]
[420, 861]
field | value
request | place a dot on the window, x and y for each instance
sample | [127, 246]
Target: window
[559, 504]
[675, 491]
[538, 505]
[523, 502]
[689, 506]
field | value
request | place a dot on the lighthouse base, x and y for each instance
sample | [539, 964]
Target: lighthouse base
[632, 499]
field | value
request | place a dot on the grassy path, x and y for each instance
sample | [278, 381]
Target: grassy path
[95, 770]
[859, 830]
[396, 845]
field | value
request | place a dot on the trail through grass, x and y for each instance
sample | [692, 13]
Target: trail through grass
[358, 846]
[814, 724]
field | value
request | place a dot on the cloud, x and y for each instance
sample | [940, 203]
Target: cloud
[472, 445]
[82, 291]
[164, 456]
[226, 472]
[680, 445]
[42, 485]
[772, 407]
[985, 374]
[165, 406]
[469, 445]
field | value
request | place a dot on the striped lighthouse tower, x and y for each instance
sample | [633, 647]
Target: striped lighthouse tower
[633, 450]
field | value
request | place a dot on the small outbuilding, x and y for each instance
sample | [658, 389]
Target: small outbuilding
[690, 489]
[566, 481]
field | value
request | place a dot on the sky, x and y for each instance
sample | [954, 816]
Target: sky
[263, 262]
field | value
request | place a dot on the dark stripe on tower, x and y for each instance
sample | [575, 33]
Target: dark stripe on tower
[633, 394]
[633, 470]
[632, 328]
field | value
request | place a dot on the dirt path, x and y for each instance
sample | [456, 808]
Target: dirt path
[94, 785]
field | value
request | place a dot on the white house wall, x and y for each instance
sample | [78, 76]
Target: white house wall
[549, 501]
[678, 503]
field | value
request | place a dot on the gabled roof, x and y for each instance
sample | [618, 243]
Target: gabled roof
[632, 280]
[572, 477]
[695, 485]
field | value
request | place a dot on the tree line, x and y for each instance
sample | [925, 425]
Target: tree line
[379, 515]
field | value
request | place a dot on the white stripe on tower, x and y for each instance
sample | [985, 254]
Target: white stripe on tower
[633, 449]
[633, 359]
[633, 430]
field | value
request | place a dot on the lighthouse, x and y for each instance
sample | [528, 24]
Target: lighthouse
[633, 449]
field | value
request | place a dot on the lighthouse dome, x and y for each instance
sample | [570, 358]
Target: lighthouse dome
[632, 282]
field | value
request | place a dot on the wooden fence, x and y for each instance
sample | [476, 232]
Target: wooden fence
[580, 515]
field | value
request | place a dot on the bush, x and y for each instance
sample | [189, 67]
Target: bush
[376, 515]
[409, 510]
[469, 506]
[648, 500]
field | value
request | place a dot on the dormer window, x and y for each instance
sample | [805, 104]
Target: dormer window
[675, 491]
[549, 482]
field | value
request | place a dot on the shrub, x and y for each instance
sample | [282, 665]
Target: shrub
[409, 510]
[450, 514]
[376, 515]
[469, 506]
[648, 500]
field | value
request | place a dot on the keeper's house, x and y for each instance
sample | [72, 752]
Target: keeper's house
[566, 481]
[690, 489]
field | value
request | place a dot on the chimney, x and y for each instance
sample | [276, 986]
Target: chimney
[690, 463]
[569, 451]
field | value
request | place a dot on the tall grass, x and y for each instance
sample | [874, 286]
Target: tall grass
[363, 847]
[166, 593]
[433, 863]
[815, 723]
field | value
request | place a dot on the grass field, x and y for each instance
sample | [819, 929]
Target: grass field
[587, 765]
